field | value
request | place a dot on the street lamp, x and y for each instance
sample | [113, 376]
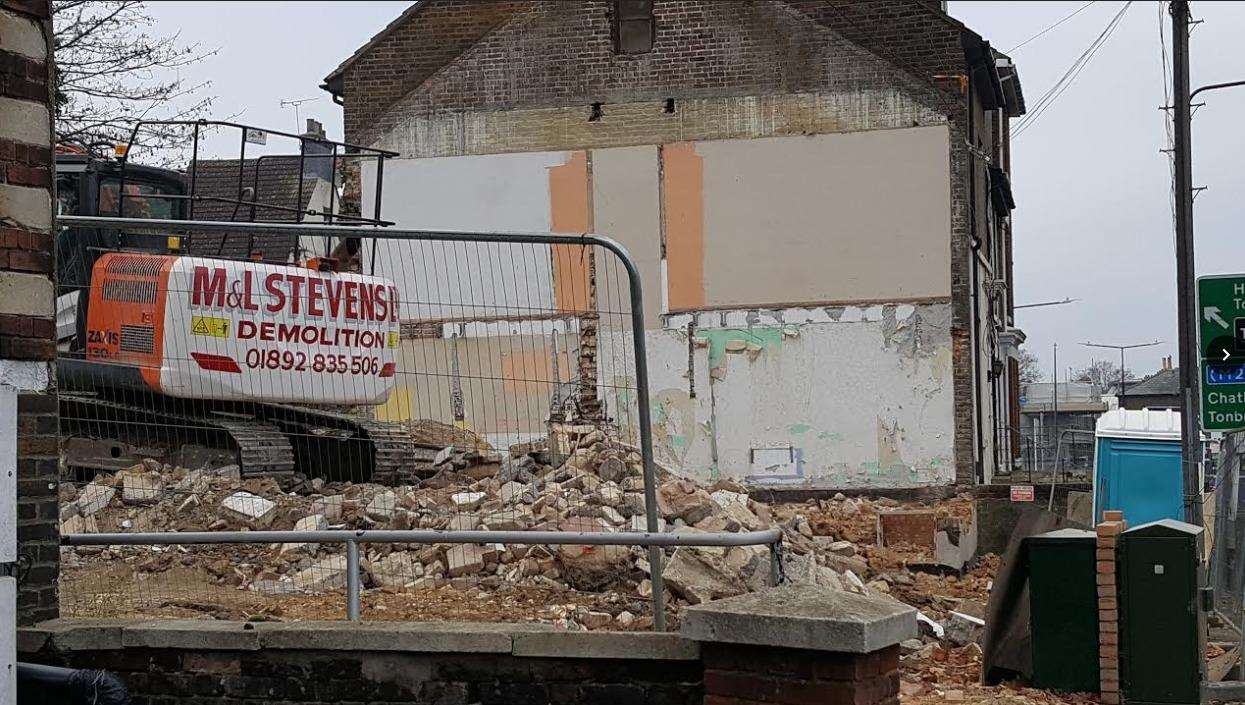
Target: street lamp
[1122, 348]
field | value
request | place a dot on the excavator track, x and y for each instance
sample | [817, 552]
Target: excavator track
[346, 446]
[261, 448]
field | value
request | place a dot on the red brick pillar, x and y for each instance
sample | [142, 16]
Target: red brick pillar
[800, 644]
[741, 674]
[1109, 531]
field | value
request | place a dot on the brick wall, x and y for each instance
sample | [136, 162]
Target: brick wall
[27, 327]
[526, 74]
[744, 675]
[223, 663]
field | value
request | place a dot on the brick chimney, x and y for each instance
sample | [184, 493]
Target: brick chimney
[312, 165]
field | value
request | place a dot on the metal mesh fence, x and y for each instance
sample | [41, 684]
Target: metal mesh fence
[1227, 571]
[1032, 453]
[448, 383]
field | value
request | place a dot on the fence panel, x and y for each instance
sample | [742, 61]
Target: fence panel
[1227, 573]
[439, 381]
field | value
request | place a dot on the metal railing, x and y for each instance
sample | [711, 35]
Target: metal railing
[509, 341]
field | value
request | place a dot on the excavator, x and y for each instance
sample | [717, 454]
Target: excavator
[263, 352]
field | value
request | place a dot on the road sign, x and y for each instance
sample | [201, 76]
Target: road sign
[1221, 340]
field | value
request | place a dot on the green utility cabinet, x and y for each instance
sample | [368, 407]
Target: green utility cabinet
[1063, 610]
[1162, 624]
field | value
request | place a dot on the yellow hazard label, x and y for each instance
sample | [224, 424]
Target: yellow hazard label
[394, 338]
[212, 327]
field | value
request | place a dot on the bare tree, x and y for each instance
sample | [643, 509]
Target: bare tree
[1103, 374]
[1030, 369]
[111, 70]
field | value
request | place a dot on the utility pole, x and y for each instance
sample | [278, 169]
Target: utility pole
[1186, 298]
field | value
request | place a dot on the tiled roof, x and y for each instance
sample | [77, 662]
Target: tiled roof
[1161, 383]
[278, 185]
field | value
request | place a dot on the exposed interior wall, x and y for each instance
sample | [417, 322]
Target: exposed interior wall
[496, 384]
[625, 181]
[858, 216]
[845, 396]
[729, 235]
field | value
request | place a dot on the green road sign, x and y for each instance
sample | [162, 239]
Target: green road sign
[1221, 339]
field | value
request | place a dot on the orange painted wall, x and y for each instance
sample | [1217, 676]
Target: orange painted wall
[570, 203]
[683, 209]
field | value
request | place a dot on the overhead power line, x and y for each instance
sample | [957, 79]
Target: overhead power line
[1048, 98]
[1065, 19]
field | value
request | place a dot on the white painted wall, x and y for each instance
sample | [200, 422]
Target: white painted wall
[864, 400]
[15, 377]
[504, 192]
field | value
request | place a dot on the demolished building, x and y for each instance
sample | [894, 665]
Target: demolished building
[816, 194]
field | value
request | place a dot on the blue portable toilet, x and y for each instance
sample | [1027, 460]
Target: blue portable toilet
[1137, 465]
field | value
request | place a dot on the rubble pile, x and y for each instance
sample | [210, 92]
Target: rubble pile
[598, 486]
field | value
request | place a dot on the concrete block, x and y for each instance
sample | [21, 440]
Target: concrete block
[383, 506]
[247, 507]
[31, 208]
[194, 634]
[22, 36]
[330, 507]
[141, 488]
[94, 497]
[24, 294]
[803, 617]
[85, 634]
[606, 645]
[325, 574]
[24, 120]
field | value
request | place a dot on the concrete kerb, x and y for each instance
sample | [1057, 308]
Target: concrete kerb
[191, 634]
[607, 645]
[803, 617]
[523, 640]
[427, 637]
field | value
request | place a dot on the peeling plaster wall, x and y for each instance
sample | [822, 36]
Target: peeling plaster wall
[860, 397]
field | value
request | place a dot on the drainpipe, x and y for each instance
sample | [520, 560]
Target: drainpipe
[974, 337]
[50, 685]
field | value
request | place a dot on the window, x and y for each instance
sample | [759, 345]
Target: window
[140, 201]
[633, 26]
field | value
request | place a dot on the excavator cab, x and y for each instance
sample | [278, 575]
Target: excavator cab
[162, 341]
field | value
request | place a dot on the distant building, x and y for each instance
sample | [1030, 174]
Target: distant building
[824, 184]
[1160, 390]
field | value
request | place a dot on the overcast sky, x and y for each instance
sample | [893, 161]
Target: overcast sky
[1093, 216]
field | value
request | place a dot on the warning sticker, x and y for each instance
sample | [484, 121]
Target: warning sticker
[211, 327]
[393, 340]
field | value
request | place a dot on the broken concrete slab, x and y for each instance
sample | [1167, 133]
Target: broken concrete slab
[383, 506]
[330, 507]
[467, 501]
[964, 629]
[803, 617]
[94, 497]
[325, 574]
[465, 558]
[79, 525]
[699, 577]
[684, 499]
[247, 507]
[398, 569]
[141, 488]
[315, 522]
